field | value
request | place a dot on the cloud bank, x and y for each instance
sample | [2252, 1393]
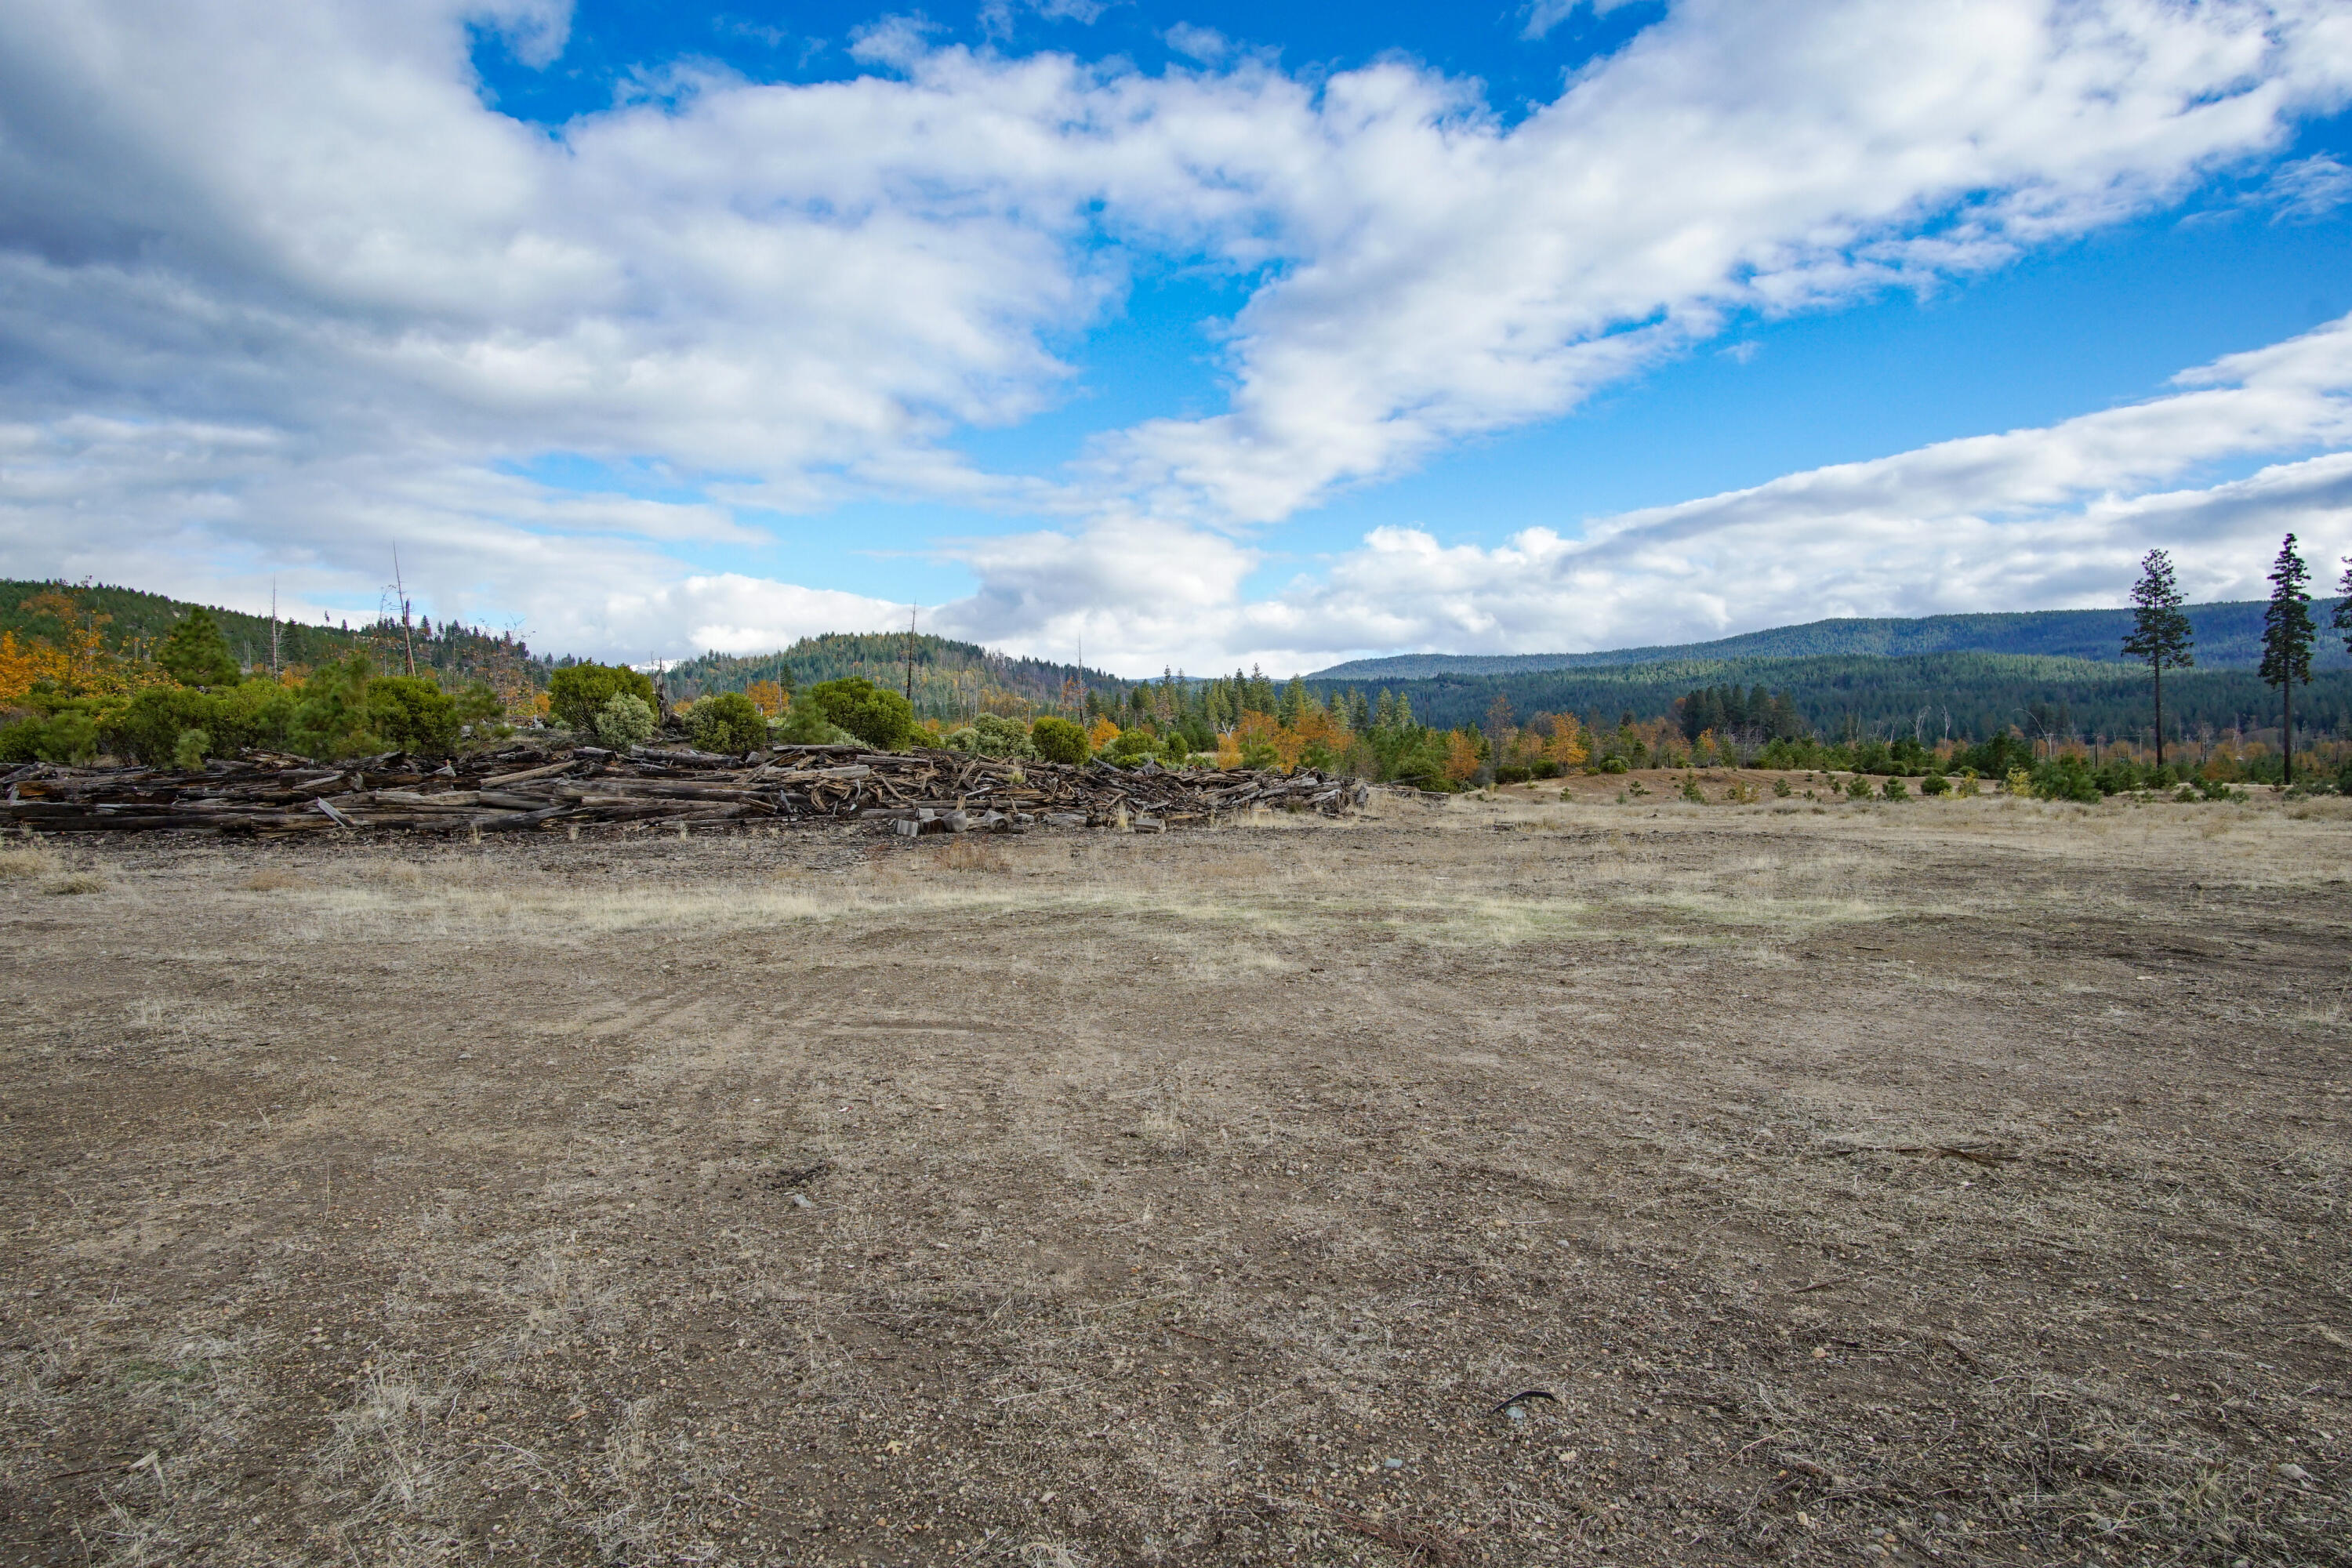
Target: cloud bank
[280, 291]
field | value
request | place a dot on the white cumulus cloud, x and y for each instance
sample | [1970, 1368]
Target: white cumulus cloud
[280, 292]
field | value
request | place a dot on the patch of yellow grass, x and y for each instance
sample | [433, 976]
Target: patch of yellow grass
[23, 864]
[77, 882]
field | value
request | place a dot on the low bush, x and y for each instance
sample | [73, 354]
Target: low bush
[577, 693]
[1858, 788]
[410, 713]
[993, 735]
[625, 719]
[728, 722]
[1612, 764]
[1935, 784]
[1894, 789]
[1060, 741]
[65, 734]
[2065, 778]
[882, 719]
[806, 725]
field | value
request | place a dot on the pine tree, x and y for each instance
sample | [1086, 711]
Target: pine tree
[2343, 620]
[196, 654]
[2159, 637]
[2287, 635]
[1292, 708]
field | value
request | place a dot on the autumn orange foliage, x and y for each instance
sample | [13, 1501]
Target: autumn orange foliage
[1568, 746]
[21, 663]
[1460, 756]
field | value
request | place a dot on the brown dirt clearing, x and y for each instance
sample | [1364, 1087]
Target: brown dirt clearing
[1491, 1183]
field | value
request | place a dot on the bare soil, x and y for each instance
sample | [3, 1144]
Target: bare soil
[1493, 1182]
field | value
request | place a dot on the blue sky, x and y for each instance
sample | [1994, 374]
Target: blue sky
[1202, 334]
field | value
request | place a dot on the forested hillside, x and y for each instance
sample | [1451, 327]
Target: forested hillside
[2229, 637]
[951, 680]
[131, 623]
[1962, 694]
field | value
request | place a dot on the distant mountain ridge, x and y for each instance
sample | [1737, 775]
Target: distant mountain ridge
[2229, 637]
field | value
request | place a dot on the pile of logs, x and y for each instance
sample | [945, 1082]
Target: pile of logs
[569, 788]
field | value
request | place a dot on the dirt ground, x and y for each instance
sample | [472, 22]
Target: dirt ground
[1492, 1183]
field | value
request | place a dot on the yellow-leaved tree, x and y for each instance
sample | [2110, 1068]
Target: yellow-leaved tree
[21, 663]
[1568, 746]
[1461, 755]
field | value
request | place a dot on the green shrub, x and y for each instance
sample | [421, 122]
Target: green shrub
[880, 718]
[410, 713]
[577, 694]
[148, 728]
[69, 734]
[188, 752]
[1691, 789]
[1612, 764]
[1060, 741]
[1935, 784]
[728, 722]
[478, 707]
[1780, 787]
[806, 725]
[1895, 789]
[234, 718]
[2120, 777]
[991, 735]
[2065, 778]
[1858, 788]
[330, 717]
[626, 720]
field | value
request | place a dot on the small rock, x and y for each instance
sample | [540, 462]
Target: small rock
[2295, 1472]
[1514, 1412]
[1392, 1463]
[800, 1201]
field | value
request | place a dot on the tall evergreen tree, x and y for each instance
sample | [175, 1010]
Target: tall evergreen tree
[2287, 636]
[2159, 637]
[1292, 706]
[196, 654]
[2344, 605]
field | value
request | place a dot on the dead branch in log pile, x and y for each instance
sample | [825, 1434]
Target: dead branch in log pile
[541, 788]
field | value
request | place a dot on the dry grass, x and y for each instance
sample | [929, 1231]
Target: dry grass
[1093, 1200]
[25, 862]
[74, 882]
[275, 883]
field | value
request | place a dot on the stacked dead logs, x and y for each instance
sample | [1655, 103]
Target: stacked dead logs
[539, 788]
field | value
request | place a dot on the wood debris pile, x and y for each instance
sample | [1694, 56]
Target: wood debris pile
[539, 787]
